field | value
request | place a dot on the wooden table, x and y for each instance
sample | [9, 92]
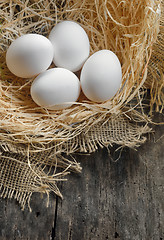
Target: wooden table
[110, 199]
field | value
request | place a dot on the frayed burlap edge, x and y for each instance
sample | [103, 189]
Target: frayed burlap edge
[38, 171]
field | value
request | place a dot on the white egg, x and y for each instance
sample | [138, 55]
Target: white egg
[29, 55]
[71, 45]
[55, 89]
[101, 76]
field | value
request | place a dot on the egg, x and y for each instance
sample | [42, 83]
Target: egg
[71, 45]
[101, 76]
[55, 89]
[29, 55]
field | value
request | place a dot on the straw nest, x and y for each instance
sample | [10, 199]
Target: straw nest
[128, 28]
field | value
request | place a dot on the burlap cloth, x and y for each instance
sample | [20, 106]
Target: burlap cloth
[36, 146]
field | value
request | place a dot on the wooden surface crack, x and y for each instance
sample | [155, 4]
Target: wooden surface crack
[55, 220]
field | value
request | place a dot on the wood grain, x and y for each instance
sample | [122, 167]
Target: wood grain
[110, 199]
[36, 225]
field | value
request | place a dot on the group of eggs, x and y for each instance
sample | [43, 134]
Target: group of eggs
[68, 47]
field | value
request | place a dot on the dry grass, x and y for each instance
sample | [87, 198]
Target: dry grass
[128, 28]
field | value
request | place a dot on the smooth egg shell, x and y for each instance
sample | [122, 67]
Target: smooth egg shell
[29, 55]
[71, 45]
[101, 76]
[55, 89]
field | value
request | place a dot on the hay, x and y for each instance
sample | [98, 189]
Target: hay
[128, 28]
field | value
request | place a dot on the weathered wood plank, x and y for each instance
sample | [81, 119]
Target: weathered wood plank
[116, 200]
[109, 200]
[24, 225]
